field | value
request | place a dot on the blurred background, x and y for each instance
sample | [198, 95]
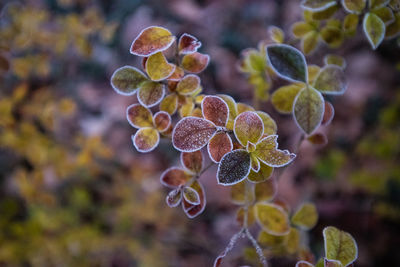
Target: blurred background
[74, 191]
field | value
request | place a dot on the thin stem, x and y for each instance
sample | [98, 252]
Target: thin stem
[259, 250]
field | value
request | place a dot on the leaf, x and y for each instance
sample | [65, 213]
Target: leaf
[354, 6]
[335, 60]
[292, 241]
[265, 191]
[139, 116]
[306, 216]
[267, 151]
[158, 68]
[191, 196]
[241, 107]
[272, 218]
[329, 113]
[308, 109]
[232, 110]
[313, 71]
[310, 42]
[332, 36]
[374, 29]
[187, 107]
[350, 24]
[234, 167]
[288, 62]
[393, 30]
[317, 5]
[219, 145]
[385, 14]
[332, 263]
[238, 193]
[276, 34]
[248, 127]
[269, 124]
[283, 98]
[191, 134]
[174, 177]
[301, 28]
[330, 80]
[378, 3]
[188, 44]
[146, 139]
[215, 109]
[152, 40]
[151, 93]
[174, 198]
[188, 85]
[254, 162]
[304, 264]
[272, 241]
[169, 104]
[318, 139]
[325, 14]
[339, 245]
[126, 80]
[195, 210]
[162, 121]
[263, 174]
[192, 161]
[177, 75]
[195, 62]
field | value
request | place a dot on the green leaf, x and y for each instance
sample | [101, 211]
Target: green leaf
[339, 246]
[288, 62]
[335, 60]
[332, 36]
[378, 3]
[317, 5]
[306, 216]
[126, 80]
[330, 80]
[308, 109]
[283, 98]
[354, 6]
[385, 13]
[234, 167]
[272, 218]
[393, 30]
[309, 42]
[350, 24]
[374, 29]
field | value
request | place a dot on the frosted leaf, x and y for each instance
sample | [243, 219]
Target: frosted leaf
[146, 139]
[188, 85]
[174, 198]
[188, 44]
[194, 210]
[139, 116]
[234, 167]
[248, 127]
[152, 40]
[215, 109]
[162, 121]
[191, 196]
[192, 133]
[219, 145]
[192, 161]
[267, 151]
[174, 177]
